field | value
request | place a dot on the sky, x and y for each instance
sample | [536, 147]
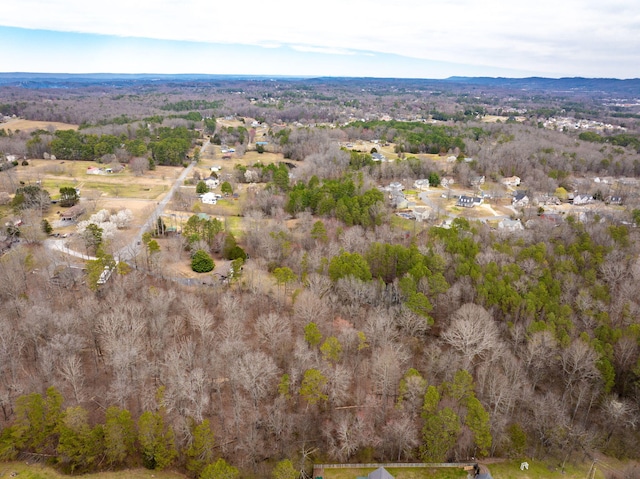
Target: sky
[356, 38]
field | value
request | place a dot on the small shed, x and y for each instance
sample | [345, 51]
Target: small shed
[380, 473]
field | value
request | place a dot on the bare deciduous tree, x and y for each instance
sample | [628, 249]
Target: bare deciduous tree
[473, 333]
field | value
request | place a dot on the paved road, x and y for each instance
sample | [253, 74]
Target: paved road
[60, 245]
[129, 251]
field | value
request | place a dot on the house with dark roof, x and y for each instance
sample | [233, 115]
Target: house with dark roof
[520, 198]
[72, 213]
[469, 201]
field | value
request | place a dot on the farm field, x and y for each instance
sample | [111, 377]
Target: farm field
[110, 191]
[28, 125]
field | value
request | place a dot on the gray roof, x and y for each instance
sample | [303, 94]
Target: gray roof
[380, 473]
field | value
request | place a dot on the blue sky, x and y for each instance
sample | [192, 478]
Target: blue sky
[406, 38]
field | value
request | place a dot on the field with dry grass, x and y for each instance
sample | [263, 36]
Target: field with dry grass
[29, 125]
[21, 470]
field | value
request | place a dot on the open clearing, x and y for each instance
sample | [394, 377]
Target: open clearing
[44, 472]
[499, 469]
[27, 125]
[56, 174]
[397, 473]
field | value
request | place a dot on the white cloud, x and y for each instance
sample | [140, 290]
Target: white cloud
[327, 50]
[572, 37]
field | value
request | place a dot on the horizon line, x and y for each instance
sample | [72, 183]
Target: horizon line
[302, 76]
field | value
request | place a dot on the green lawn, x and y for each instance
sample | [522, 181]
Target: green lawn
[411, 226]
[398, 473]
[540, 470]
[500, 470]
[228, 207]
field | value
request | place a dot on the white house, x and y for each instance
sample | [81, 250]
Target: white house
[209, 198]
[512, 181]
[469, 201]
[510, 225]
[447, 181]
[582, 199]
[212, 182]
[422, 184]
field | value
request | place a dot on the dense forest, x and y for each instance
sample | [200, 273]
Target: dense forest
[346, 336]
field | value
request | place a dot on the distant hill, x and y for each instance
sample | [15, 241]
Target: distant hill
[575, 84]
[62, 80]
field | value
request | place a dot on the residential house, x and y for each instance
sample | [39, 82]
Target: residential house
[520, 199]
[511, 181]
[72, 213]
[477, 181]
[546, 199]
[469, 201]
[447, 181]
[378, 157]
[398, 200]
[422, 184]
[582, 199]
[510, 225]
[209, 198]
[212, 182]
[613, 200]
[421, 213]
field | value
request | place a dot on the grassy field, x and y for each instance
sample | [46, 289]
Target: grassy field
[499, 470]
[27, 125]
[540, 470]
[398, 473]
[43, 472]
[54, 175]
